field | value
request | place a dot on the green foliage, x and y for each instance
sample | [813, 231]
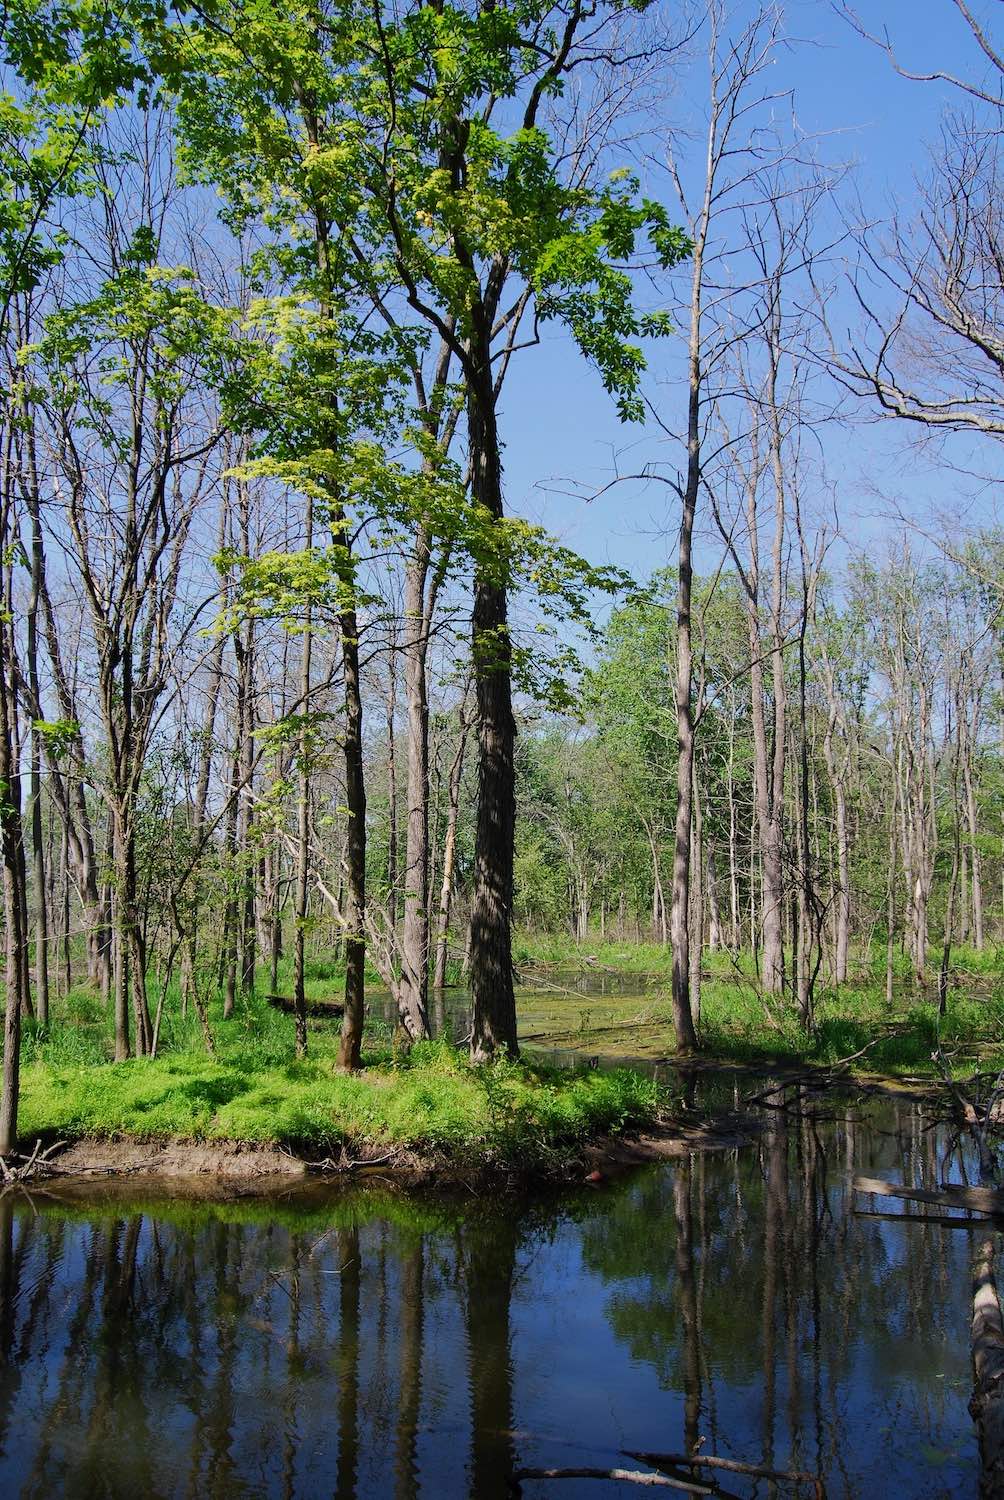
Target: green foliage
[505, 1116]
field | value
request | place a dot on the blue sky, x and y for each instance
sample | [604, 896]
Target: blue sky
[561, 430]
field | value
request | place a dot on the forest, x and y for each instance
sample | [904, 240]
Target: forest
[307, 722]
[501, 748]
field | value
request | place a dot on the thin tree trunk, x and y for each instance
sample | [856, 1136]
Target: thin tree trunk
[450, 853]
[245, 825]
[303, 817]
[37, 849]
[735, 920]
[714, 914]
[355, 806]
[696, 916]
[13, 888]
[975, 859]
[415, 936]
[392, 875]
[683, 1021]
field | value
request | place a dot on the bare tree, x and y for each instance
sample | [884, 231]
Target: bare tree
[929, 348]
[737, 145]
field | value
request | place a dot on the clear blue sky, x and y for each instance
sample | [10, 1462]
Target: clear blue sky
[558, 424]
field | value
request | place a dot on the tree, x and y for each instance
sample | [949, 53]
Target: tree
[427, 199]
[111, 385]
[929, 347]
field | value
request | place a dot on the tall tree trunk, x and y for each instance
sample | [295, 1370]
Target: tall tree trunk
[773, 957]
[37, 843]
[64, 903]
[13, 890]
[493, 1001]
[735, 920]
[355, 806]
[391, 706]
[303, 817]
[764, 781]
[683, 1021]
[972, 828]
[414, 992]
[245, 823]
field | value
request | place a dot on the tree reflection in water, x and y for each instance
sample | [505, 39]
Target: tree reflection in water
[364, 1343]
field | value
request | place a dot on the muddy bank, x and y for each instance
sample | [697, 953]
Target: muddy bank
[229, 1168]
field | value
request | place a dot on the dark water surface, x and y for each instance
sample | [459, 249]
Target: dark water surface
[364, 1342]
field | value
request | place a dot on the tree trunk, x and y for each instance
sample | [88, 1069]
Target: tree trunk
[37, 847]
[415, 937]
[735, 920]
[303, 818]
[355, 806]
[683, 1021]
[450, 854]
[975, 860]
[695, 922]
[13, 888]
[391, 715]
[493, 1002]
[245, 823]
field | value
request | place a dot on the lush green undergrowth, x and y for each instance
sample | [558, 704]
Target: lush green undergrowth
[739, 1024]
[433, 1103]
[430, 1101]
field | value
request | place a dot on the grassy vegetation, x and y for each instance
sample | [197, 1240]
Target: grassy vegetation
[430, 1101]
[738, 1024]
[654, 960]
[433, 1104]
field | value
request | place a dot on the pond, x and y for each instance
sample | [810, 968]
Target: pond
[362, 1341]
[562, 1014]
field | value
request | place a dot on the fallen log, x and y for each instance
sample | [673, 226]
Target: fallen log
[732, 1465]
[987, 1404]
[949, 1195]
[626, 1476]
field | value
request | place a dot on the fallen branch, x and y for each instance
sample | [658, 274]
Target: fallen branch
[949, 1195]
[733, 1465]
[625, 1476]
[36, 1165]
[987, 1404]
[284, 1003]
[820, 1077]
[348, 1163]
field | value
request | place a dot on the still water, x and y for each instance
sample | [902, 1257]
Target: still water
[366, 1342]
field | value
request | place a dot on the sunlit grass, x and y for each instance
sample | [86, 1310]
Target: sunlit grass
[430, 1100]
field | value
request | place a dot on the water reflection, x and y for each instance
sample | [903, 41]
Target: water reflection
[368, 1343]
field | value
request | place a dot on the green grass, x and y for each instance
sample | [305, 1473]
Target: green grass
[430, 1102]
[735, 1026]
[654, 960]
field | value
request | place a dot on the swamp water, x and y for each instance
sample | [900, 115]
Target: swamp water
[364, 1341]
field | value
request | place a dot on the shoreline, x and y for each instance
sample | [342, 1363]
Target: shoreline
[226, 1167]
[236, 1169]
